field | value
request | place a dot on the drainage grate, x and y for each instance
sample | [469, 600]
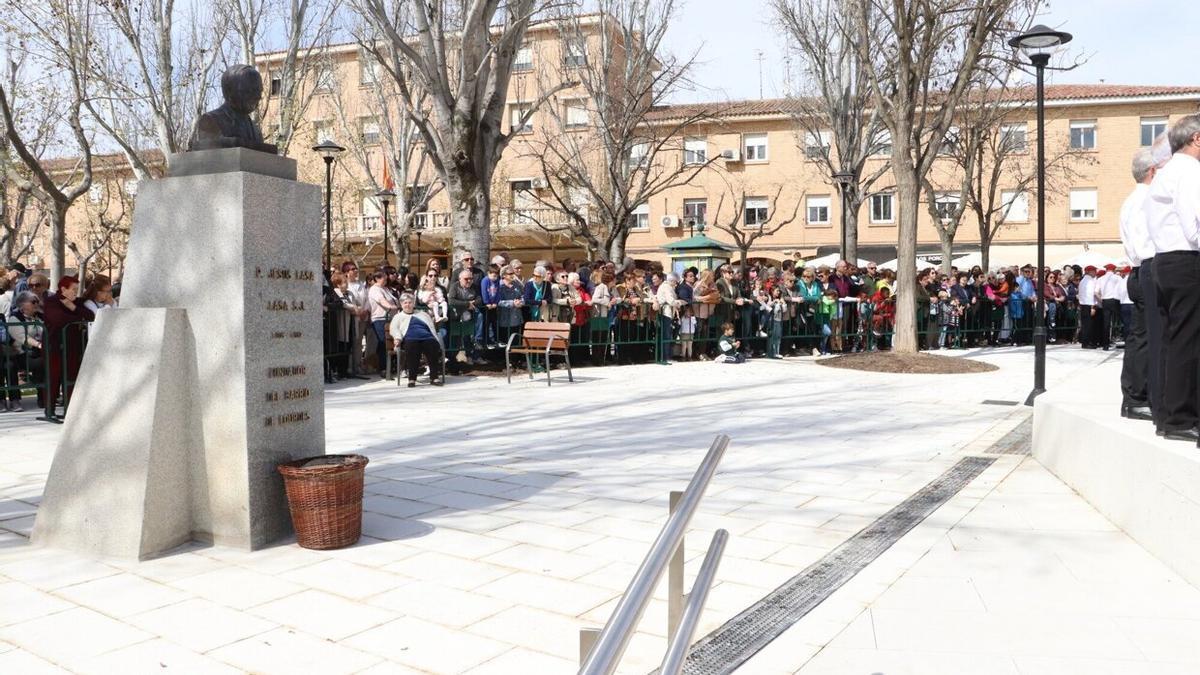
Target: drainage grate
[1016, 442]
[993, 401]
[731, 645]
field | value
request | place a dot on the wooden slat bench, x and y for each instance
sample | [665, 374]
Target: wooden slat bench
[540, 338]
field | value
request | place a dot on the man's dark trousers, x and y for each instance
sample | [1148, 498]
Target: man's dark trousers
[1177, 276]
[1135, 368]
[1154, 319]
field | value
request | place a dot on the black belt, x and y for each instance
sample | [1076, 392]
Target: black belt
[1192, 253]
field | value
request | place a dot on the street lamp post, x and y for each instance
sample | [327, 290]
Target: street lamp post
[1038, 43]
[329, 151]
[844, 179]
[385, 197]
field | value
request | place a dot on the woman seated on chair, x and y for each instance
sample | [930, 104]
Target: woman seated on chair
[415, 334]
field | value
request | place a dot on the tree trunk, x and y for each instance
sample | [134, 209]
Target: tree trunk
[616, 250]
[905, 339]
[58, 243]
[947, 248]
[470, 220]
[985, 252]
[851, 220]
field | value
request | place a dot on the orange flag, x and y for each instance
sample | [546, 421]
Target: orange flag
[387, 178]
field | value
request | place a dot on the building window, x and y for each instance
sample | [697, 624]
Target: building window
[695, 151]
[325, 78]
[816, 145]
[637, 154]
[368, 69]
[576, 113]
[323, 130]
[96, 193]
[818, 209]
[695, 211]
[1152, 128]
[1015, 206]
[947, 205]
[881, 208]
[1083, 204]
[370, 205]
[523, 61]
[882, 145]
[578, 197]
[640, 218]
[756, 147]
[575, 52]
[949, 142]
[369, 129]
[1014, 138]
[517, 112]
[276, 85]
[1083, 134]
[757, 211]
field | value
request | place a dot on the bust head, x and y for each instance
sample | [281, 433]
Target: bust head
[242, 87]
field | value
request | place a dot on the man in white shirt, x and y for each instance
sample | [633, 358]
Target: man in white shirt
[1109, 290]
[1173, 219]
[1139, 249]
[1087, 308]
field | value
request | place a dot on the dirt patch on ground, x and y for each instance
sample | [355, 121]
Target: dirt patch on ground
[888, 362]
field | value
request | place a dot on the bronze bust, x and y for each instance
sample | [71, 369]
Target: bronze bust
[230, 126]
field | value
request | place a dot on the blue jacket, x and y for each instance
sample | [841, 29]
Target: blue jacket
[489, 291]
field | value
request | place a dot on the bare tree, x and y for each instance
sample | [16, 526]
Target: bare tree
[380, 132]
[151, 73]
[106, 223]
[933, 51]
[304, 63]
[747, 231]
[57, 39]
[21, 215]
[605, 151]
[838, 125]
[460, 52]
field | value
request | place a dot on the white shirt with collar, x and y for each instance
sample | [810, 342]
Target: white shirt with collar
[1134, 233]
[1110, 286]
[1124, 291]
[1173, 205]
[1087, 290]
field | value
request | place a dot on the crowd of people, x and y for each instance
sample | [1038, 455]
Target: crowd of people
[1160, 228]
[43, 334]
[633, 313]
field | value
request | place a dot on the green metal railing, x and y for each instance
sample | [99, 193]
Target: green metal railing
[26, 368]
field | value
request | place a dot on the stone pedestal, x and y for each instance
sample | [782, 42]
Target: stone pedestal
[221, 316]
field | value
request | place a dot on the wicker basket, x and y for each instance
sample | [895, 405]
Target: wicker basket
[325, 497]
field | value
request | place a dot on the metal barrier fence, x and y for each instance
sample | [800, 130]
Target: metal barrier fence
[626, 335]
[27, 365]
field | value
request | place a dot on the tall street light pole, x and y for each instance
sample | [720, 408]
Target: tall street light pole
[1038, 44]
[329, 151]
[385, 197]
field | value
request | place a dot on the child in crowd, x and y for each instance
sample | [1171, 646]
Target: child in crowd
[866, 310]
[827, 311]
[489, 291]
[776, 311]
[730, 348]
[941, 309]
[956, 314]
[687, 331]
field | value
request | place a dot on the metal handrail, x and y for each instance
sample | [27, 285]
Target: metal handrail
[611, 644]
[677, 650]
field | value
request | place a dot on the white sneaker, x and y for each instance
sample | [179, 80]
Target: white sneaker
[816, 352]
[762, 334]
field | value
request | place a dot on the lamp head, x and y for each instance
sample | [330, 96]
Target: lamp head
[385, 196]
[1039, 43]
[328, 150]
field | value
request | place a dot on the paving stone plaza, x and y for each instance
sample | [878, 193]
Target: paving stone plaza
[501, 519]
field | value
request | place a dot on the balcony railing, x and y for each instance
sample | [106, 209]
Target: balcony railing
[503, 218]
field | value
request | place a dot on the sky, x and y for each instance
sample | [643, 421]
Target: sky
[1121, 42]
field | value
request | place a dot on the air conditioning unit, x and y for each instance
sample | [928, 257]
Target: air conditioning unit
[731, 155]
[670, 221]
[538, 183]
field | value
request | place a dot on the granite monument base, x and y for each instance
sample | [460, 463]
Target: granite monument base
[1146, 485]
[224, 267]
